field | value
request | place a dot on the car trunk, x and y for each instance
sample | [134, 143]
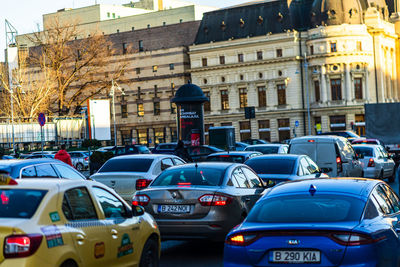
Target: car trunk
[303, 237]
[8, 227]
[178, 203]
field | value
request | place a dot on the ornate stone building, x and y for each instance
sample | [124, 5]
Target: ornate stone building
[284, 56]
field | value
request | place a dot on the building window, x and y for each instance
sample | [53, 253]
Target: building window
[243, 97]
[359, 125]
[140, 109]
[358, 88]
[226, 124]
[133, 28]
[155, 67]
[333, 47]
[113, 15]
[223, 79]
[259, 55]
[240, 57]
[124, 48]
[359, 46]
[279, 52]
[317, 91]
[224, 99]
[311, 50]
[124, 110]
[317, 125]
[171, 66]
[207, 105]
[156, 106]
[204, 62]
[142, 136]
[262, 96]
[159, 136]
[222, 60]
[281, 94]
[241, 77]
[338, 123]
[106, 74]
[264, 130]
[141, 49]
[336, 89]
[155, 90]
[108, 14]
[137, 70]
[284, 129]
[205, 81]
[148, 26]
[245, 131]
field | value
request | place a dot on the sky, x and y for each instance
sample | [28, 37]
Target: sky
[26, 15]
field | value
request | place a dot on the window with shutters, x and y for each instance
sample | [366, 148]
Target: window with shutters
[336, 89]
[281, 88]
[262, 96]
[358, 88]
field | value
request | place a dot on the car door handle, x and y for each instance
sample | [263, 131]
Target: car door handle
[114, 233]
[80, 239]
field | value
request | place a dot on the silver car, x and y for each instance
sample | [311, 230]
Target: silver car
[269, 148]
[201, 201]
[376, 162]
[80, 159]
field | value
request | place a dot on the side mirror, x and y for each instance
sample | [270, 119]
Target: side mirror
[325, 170]
[137, 210]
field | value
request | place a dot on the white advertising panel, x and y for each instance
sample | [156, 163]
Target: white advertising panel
[100, 121]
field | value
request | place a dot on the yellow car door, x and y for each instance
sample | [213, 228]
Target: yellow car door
[126, 239]
[88, 232]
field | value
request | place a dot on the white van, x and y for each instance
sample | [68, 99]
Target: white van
[333, 152]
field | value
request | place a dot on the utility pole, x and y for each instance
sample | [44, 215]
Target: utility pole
[114, 86]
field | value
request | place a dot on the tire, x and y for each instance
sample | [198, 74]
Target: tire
[79, 167]
[149, 257]
[69, 263]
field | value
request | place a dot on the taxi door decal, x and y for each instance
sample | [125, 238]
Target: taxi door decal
[54, 216]
[99, 250]
[53, 236]
[126, 247]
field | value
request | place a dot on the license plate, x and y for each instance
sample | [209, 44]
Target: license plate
[174, 208]
[292, 256]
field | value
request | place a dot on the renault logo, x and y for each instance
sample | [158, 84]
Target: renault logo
[293, 242]
[174, 194]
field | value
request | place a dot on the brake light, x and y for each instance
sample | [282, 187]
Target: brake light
[241, 239]
[339, 164]
[354, 239]
[4, 198]
[311, 141]
[214, 200]
[86, 158]
[224, 156]
[371, 162]
[140, 200]
[18, 246]
[142, 183]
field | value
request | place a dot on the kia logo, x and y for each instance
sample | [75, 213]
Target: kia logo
[293, 242]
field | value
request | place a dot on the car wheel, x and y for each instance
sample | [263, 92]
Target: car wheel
[149, 257]
[69, 263]
[79, 166]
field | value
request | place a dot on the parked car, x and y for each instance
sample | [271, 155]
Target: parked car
[376, 162]
[39, 156]
[319, 222]
[234, 156]
[350, 135]
[255, 141]
[200, 153]
[125, 150]
[269, 148]
[7, 157]
[240, 146]
[164, 148]
[126, 174]
[201, 200]
[80, 159]
[367, 141]
[274, 169]
[44, 152]
[333, 152]
[53, 222]
[39, 168]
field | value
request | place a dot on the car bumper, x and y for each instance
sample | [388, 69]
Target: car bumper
[371, 172]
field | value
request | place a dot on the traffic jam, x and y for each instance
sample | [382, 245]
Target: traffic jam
[323, 200]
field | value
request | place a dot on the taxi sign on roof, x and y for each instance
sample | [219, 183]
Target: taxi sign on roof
[7, 180]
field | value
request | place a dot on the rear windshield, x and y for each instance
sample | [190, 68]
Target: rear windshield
[227, 158]
[370, 142]
[19, 203]
[272, 166]
[366, 151]
[264, 150]
[127, 165]
[187, 177]
[307, 209]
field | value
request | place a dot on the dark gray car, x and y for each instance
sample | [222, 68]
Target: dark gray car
[201, 201]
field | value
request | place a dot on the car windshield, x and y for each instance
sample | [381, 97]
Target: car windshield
[227, 158]
[366, 151]
[264, 149]
[307, 209]
[19, 203]
[127, 165]
[272, 166]
[190, 176]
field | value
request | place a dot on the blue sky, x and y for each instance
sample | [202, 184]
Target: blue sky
[26, 15]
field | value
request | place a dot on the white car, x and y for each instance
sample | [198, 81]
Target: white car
[269, 148]
[126, 174]
[376, 162]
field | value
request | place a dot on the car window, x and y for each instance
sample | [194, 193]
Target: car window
[19, 203]
[264, 149]
[166, 163]
[143, 149]
[190, 176]
[45, 170]
[68, 172]
[304, 164]
[371, 210]
[252, 178]
[28, 172]
[77, 205]
[126, 165]
[384, 154]
[394, 200]
[112, 207]
[240, 178]
[271, 166]
[366, 151]
[284, 150]
[382, 200]
[178, 161]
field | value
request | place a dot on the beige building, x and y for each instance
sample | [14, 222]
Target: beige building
[254, 55]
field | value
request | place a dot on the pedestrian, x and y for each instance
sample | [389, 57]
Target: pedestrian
[63, 155]
[181, 151]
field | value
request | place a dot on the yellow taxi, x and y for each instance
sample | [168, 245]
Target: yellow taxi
[70, 223]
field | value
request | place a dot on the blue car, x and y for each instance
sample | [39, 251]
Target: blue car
[320, 222]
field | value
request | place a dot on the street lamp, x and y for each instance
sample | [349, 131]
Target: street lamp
[114, 86]
[308, 94]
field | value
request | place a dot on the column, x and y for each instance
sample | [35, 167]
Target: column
[366, 84]
[348, 83]
[251, 95]
[167, 134]
[324, 92]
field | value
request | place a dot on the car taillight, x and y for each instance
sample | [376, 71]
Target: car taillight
[353, 239]
[339, 164]
[241, 239]
[86, 158]
[18, 246]
[371, 162]
[214, 200]
[140, 200]
[142, 183]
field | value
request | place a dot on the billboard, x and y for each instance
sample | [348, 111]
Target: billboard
[99, 119]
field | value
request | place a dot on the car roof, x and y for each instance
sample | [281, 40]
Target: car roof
[234, 153]
[49, 183]
[25, 162]
[265, 145]
[278, 156]
[365, 140]
[317, 137]
[360, 187]
[214, 165]
[144, 156]
[372, 146]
